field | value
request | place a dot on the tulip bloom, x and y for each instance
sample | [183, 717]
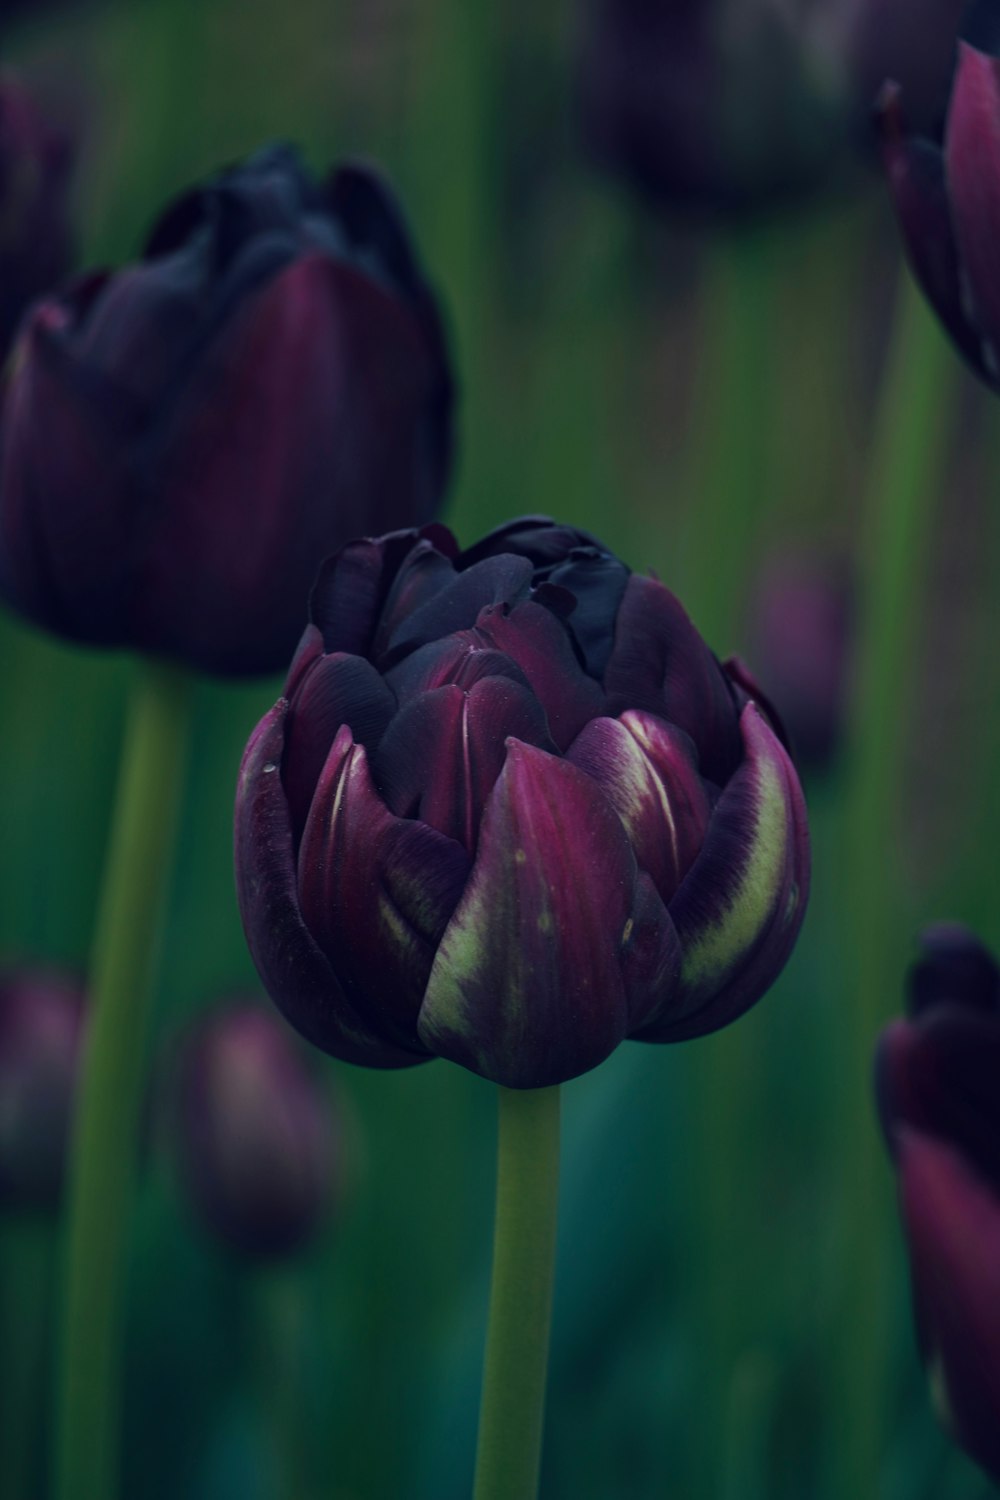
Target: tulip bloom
[40, 1035]
[936, 1077]
[947, 199]
[185, 439]
[511, 810]
[255, 1141]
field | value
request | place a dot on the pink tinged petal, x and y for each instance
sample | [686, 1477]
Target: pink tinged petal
[972, 159]
[537, 641]
[338, 690]
[916, 173]
[443, 752]
[376, 890]
[661, 664]
[529, 985]
[953, 1227]
[648, 770]
[740, 907]
[307, 654]
[295, 973]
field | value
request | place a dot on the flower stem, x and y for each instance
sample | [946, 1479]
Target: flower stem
[105, 1146]
[26, 1258]
[905, 479]
[517, 1343]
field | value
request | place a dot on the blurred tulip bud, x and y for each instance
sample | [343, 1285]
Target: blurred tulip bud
[798, 635]
[947, 195]
[36, 239]
[40, 1035]
[510, 811]
[936, 1080]
[727, 106]
[256, 1142]
[186, 438]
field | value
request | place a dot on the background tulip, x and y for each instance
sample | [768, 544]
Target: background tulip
[184, 439]
[510, 811]
[937, 1076]
[255, 1140]
[40, 1034]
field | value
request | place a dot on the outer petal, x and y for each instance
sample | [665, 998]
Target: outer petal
[648, 769]
[538, 642]
[376, 890]
[294, 971]
[661, 664]
[972, 156]
[444, 751]
[527, 987]
[740, 908]
[953, 1227]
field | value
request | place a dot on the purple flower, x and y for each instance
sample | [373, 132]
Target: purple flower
[947, 197]
[40, 1035]
[185, 439]
[36, 235]
[255, 1140]
[510, 811]
[936, 1079]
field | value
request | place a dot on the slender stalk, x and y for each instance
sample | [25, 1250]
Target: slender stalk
[517, 1342]
[906, 474]
[106, 1133]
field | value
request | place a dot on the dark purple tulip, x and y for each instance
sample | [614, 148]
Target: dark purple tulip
[936, 1078]
[185, 439]
[510, 811]
[36, 237]
[947, 198]
[40, 1035]
[256, 1143]
[798, 635]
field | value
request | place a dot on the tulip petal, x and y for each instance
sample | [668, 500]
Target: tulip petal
[597, 580]
[495, 581]
[543, 541]
[443, 752]
[659, 663]
[527, 986]
[739, 909]
[648, 770]
[537, 641]
[376, 890]
[352, 585]
[295, 972]
[916, 173]
[953, 1229]
[972, 158]
[461, 658]
[338, 690]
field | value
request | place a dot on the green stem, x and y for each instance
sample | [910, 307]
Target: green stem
[517, 1342]
[910, 451]
[108, 1121]
[25, 1296]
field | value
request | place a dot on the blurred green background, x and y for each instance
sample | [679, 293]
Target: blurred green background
[699, 1305]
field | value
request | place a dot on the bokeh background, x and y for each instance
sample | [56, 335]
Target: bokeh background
[701, 1313]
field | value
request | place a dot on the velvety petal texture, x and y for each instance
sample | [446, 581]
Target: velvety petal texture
[512, 811]
[936, 1085]
[184, 440]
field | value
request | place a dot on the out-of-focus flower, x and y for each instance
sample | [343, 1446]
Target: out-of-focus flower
[512, 810]
[40, 1035]
[798, 637]
[936, 1078]
[256, 1143]
[947, 195]
[727, 106]
[36, 237]
[184, 440]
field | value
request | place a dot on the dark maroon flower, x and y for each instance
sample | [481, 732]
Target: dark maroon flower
[510, 811]
[936, 1079]
[184, 440]
[726, 108]
[256, 1143]
[36, 236]
[798, 636]
[40, 1034]
[947, 196]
